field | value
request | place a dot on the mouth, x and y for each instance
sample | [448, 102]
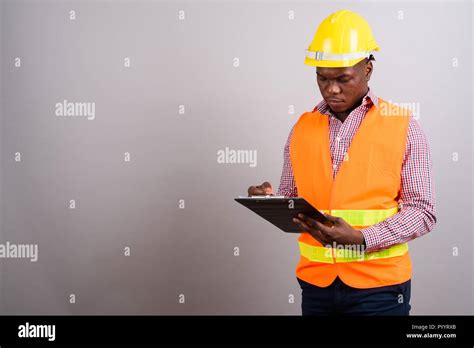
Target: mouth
[334, 101]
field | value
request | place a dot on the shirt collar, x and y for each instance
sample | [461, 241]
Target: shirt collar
[369, 99]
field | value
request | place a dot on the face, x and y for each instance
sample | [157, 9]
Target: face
[342, 88]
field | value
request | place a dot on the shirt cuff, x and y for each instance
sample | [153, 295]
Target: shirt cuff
[371, 237]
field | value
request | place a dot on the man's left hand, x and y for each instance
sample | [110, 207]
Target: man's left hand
[340, 233]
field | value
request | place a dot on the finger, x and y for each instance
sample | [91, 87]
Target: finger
[267, 188]
[315, 227]
[256, 191]
[320, 237]
[303, 227]
[330, 217]
[323, 228]
[301, 224]
[308, 220]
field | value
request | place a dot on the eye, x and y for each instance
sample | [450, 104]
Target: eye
[321, 78]
[344, 79]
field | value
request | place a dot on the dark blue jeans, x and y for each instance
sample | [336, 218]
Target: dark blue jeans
[341, 299]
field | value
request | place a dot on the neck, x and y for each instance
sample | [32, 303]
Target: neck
[343, 115]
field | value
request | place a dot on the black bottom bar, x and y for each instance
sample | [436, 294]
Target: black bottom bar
[288, 330]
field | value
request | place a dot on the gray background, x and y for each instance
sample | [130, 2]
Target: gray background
[190, 251]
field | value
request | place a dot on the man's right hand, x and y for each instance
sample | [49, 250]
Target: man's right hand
[264, 189]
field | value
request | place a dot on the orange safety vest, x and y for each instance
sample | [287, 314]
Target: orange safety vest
[364, 192]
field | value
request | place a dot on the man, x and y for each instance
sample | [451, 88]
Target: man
[367, 164]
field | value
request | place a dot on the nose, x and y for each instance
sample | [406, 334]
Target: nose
[333, 88]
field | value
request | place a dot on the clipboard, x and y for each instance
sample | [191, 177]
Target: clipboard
[280, 211]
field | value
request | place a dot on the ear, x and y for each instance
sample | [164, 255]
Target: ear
[368, 70]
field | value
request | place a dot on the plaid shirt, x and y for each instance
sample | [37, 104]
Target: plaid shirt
[417, 215]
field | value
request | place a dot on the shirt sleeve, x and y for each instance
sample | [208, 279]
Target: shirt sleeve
[417, 215]
[287, 181]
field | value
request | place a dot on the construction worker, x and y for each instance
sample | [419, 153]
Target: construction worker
[364, 162]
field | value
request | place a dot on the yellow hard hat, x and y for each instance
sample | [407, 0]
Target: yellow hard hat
[343, 39]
